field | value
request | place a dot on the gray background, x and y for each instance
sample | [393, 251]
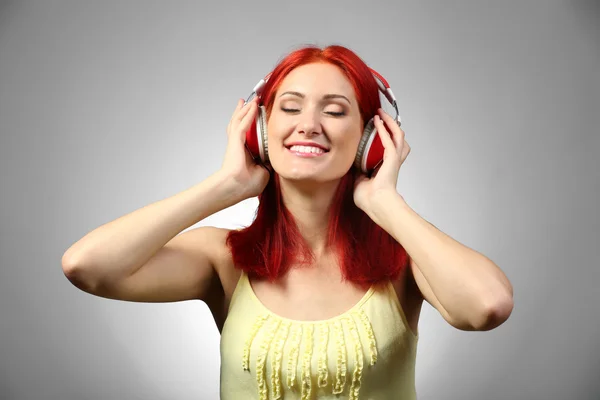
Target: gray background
[108, 106]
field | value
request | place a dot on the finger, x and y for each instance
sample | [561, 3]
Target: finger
[240, 114]
[249, 108]
[384, 135]
[238, 107]
[244, 110]
[393, 127]
[246, 121]
[388, 118]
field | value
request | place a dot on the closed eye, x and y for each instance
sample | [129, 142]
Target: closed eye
[335, 114]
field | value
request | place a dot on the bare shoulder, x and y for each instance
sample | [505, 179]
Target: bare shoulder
[214, 239]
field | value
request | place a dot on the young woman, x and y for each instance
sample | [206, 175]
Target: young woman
[319, 298]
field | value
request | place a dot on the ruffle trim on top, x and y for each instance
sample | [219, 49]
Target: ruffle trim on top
[314, 338]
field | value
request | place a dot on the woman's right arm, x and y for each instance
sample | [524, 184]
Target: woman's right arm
[143, 256]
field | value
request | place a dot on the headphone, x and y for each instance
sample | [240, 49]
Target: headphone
[370, 149]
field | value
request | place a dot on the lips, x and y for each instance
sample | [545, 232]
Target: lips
[307, 144]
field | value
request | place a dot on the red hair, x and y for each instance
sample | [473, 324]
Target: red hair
[367, 254]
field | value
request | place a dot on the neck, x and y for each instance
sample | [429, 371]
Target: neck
[309, 204]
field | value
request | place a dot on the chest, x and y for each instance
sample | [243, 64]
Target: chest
[308, 294]
[364, 348]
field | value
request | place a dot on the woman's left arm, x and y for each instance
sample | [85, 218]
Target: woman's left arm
[467, 288]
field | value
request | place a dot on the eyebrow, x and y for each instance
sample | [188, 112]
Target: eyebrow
[326, 97]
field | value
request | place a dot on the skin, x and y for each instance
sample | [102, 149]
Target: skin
[144, 256]
[468, 290]
[303, 112]
[308, 184]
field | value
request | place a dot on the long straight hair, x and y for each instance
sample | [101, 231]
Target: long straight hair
[267, 248]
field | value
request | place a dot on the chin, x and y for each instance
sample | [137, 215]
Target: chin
[306, 176]
[309, 170]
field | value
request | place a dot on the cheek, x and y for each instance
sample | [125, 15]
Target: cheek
[351, 138]
[275, 139]
[275, 128]
[346, 148]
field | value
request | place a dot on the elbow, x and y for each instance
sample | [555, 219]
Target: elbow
[485, 313]
[69, 263]
[495, 305]
[71, 266]
[73, 269]
[494, 312]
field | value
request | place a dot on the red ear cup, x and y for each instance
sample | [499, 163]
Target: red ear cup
[370, 149]
[252, 140]
[256, 136]
[373, 153]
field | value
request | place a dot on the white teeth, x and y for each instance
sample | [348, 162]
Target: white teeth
[307, 149]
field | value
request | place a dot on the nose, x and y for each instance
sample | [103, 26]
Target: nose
[309, 123]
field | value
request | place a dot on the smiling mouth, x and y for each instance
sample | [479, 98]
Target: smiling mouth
[306, 151]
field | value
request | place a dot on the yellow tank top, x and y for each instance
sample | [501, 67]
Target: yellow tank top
[368, 352]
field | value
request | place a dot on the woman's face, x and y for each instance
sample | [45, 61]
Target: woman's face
[315, 105]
